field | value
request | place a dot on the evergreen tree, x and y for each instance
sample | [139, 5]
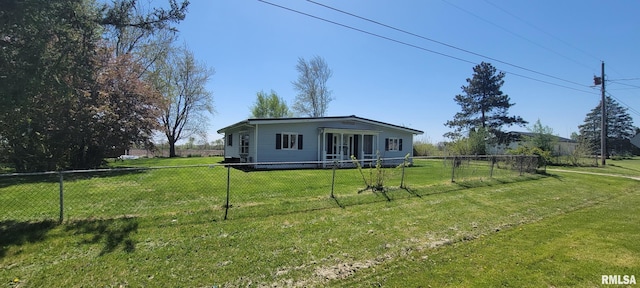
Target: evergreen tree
[483, 105]
[619, 125]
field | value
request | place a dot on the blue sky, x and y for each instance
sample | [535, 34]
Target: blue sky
[254, 46]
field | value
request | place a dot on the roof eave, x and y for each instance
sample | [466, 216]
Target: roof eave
[233, 126]
[254, 121]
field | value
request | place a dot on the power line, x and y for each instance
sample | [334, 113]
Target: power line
[445, 44]
[429, 50]
[628, 79]
[513, 33]
[625, 84]
[366, 32]
[545, 32]
[549, 34]
[550, 83]
[622, 89]
[614, 70]
[625, 104]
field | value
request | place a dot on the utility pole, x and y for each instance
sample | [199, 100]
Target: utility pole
[603, 122]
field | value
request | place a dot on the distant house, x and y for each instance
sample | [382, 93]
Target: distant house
[563, 146]
[326, 139]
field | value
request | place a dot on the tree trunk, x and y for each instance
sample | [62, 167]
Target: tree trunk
[172, 148]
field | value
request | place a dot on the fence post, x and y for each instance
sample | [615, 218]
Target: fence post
[453, 167]
[226, 205]
[521, 160]
[61, 198]
[493, 162]
[404, 164]
[333, 178]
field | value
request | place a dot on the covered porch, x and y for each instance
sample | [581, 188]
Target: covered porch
[337, 144]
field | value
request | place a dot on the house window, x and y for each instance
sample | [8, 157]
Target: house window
[229, 139]
[288, 141]
[244, 143]
[393, 144]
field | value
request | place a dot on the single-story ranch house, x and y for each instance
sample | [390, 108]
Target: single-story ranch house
[325, 139]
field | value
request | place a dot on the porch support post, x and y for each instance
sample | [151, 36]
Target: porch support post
[361, 149]
[323, 148]
[255, 145]
[318, 157]
[361, 142]
[341, 148]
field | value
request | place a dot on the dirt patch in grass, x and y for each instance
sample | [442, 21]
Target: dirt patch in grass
[343, 270]
[346, 267]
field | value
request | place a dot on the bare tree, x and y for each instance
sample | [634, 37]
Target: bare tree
[182, 81]
[313, 95]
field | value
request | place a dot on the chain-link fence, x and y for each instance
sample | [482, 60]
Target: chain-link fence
[227, 191]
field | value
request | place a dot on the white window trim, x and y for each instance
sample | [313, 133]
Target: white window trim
[394, 144]
[241, 146]
[295, 140]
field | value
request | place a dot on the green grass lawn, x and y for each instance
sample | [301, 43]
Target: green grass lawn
[572, 247]
[565, 229]
[199, 185]
[159, 161]
[627, 167]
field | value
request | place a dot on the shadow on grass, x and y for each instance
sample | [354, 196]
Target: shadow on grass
[554, 176]
[384, 193]
[362, 197]
[10, 180]
[113, 233]
[411, 191]
[337, 202]
[14, 233]
[287, 207]
[622, 167]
